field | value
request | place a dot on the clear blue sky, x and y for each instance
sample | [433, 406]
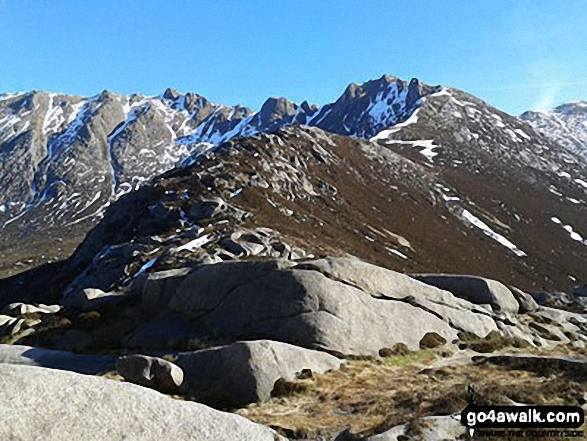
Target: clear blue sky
[516, 54]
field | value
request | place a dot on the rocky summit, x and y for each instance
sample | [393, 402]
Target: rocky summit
[345, 271]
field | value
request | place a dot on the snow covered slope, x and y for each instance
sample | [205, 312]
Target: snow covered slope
[566, 124]
[68, 157]
[64, 159]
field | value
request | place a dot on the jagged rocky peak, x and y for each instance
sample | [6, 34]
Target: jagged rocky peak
[363, 110]
[109, 144]
[308, 108]
[275, 112]
[171, 94]
[240, 112]
[198, 105]
[107, 95]
[278, 112]
[574, 108]
[277, 107]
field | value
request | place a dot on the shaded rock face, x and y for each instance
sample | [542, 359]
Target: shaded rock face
[44, 400]
[561, 300]
[52, 359]
[474, 289]
[579, 291]
[308, 309]
[367, 109]
[245, 372]
[526, 301]
[151, 372]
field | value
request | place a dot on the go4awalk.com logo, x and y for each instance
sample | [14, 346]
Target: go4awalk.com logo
[523, 421]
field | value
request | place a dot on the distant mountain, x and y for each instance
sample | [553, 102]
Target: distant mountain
[456, 177]
[441, 183]
[566, 125]
[64, 159]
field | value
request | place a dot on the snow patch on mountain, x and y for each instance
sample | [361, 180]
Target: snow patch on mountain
[565, 124]
[475, 221]
[570, 230]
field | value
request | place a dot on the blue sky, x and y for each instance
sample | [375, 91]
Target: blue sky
[515, 54]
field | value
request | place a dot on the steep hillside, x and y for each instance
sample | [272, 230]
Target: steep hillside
[64, 159]
[565, 124]
[302, 191]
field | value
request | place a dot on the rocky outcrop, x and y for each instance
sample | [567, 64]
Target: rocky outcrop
[20, 309]
[49, 404]
[474, 289]
[246, 372]
[152, 372]
[526, 301]
[277, 300]
[338, 305]
[10, 325]
[91, 298]
[56, 359]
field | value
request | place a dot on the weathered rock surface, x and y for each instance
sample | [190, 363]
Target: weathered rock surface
[169, 330]
[76, 340]
[382, 283]
[91, 298]
[277, 301]
[152, 372]
[157, 288]
[245, 372]
[474, 289]
[40, 403]
[19, 309]
[526, 301]
[342, 305]
[9, 325]
[62, 360]
[339, 305]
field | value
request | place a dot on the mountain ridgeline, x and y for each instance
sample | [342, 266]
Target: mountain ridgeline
[412, 177]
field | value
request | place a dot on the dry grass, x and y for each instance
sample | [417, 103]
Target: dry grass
[371, 396]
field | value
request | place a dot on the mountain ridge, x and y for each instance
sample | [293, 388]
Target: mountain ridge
[101, 149]
[566, 124]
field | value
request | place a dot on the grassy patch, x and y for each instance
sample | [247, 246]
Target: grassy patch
[371, 396]
[493, 342]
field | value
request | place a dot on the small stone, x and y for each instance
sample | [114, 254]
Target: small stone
[151, 372]
[432, 340]
[305, 374]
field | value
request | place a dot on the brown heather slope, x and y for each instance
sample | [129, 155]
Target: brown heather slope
[335, 195]
[371, 396]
